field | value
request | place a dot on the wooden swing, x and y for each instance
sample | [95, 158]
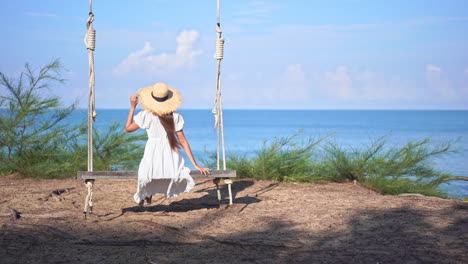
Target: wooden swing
[90, 176]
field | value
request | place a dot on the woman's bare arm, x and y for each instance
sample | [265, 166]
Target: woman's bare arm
[131, 126]
[186, 146]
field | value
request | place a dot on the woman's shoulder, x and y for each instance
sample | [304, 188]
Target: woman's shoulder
[143, 119]
[142, 112]
[147, 114]
[178, 120]
[177, 116]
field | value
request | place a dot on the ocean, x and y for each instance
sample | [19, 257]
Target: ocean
[246, 130]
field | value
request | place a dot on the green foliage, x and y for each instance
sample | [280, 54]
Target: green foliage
[113, 150]
[383, 168]
[37, 141]
[32, 120]
[387, 185]
[284, 159]
[390, 170]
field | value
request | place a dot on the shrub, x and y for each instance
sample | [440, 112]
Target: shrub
[37, 140]
[383, 168]
[392, 170]
[283, 159]
[113, 150]
[32, 122]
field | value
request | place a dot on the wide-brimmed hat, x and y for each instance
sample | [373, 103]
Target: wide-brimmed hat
[159, 99]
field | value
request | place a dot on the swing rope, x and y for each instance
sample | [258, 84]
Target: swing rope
[89, 197]
[218, 104]
[90, 42]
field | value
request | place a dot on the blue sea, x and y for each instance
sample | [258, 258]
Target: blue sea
[246, 130]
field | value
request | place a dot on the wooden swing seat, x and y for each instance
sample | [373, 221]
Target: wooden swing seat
[90, 176]
[101, 175]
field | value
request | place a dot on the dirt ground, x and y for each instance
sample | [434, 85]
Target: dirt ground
[268, 223]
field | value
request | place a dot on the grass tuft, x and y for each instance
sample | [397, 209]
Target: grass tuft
[380, 166]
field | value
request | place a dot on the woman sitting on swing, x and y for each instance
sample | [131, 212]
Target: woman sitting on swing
[162, 167]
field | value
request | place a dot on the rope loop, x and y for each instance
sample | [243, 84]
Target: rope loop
[90, 37]
[89, 197]
[216, 115]
[90, 20]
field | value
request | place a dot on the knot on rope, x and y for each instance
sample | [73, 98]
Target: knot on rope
[90, 37]
[219, 54]
[89, 197]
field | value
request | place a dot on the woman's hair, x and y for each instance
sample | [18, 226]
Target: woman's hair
[167, 122]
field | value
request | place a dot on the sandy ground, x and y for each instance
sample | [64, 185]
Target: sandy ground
[269, 223]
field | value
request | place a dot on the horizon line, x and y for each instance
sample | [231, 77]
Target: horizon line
[298, 109]
[307, 109]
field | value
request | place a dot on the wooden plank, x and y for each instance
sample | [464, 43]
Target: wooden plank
[100, 175]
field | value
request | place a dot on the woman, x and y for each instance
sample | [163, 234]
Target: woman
[162, 167]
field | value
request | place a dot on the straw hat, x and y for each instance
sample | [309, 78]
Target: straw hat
[159, 99]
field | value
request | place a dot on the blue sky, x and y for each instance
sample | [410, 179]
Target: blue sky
[347, 54]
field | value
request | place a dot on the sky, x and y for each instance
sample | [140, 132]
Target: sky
[296, 54]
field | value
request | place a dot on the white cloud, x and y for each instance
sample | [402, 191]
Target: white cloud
[438, 82]
[289, 88]
[145, 61]
[346, 85]
[293, 85]
[339, 83]
[433, 68]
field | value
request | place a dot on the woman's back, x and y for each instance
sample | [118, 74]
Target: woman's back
[162, 168]
[153, 126]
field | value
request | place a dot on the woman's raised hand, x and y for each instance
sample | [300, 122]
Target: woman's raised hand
[203, 170]
[133, 100]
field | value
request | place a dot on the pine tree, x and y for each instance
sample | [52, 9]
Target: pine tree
[32, 121]
[37, 139]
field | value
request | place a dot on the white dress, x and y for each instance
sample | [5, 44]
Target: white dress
[161, 169]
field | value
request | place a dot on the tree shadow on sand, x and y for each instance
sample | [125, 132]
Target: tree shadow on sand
[402, 235]
[208, 201]
[396, 235]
